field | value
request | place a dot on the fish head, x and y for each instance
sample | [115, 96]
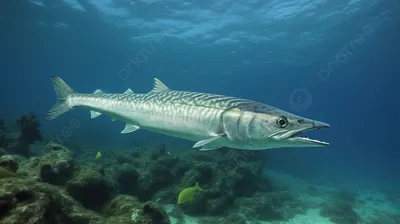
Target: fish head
[266, 127]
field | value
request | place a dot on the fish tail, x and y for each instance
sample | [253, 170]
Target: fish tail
[197, 187]
[63, 91]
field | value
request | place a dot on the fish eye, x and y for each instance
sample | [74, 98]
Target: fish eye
[282, 122]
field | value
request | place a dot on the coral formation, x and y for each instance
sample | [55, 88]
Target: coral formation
[90, 188]
[233, 181]
[154, 174]
[54, 166]
[28, 134]
[28, 201]
[88, 196]
[10, 162]
[127, 209]
[270, 206]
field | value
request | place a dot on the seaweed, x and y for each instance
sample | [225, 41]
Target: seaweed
[29, 128]
[29, 133]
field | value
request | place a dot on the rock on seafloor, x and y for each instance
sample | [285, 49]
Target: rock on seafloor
[54, 166]
[226, 175]
[52, 190]
[90, 188]
[125, 208]
[11, 162]
[28, 201]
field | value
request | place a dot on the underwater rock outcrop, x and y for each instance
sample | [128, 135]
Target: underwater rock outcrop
[50, 189]
[225, 174]
[90, 188]
[54, 166]
[274, 206]
[10, 162]
[29, 133]
[24, 200]
[127, 177]
[127, 209]
[29, 201]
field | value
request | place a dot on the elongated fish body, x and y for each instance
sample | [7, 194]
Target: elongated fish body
[167, 112]
[213, 121]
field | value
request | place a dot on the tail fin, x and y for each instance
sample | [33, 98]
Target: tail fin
[197, 187]
[62, 91]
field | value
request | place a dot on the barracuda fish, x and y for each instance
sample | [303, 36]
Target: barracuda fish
[212, 121]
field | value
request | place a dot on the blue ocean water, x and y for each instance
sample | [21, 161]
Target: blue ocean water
[333, 61]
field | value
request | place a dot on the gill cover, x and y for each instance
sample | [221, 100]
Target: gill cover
[237, 121]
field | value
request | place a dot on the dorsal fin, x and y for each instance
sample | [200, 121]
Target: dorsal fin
[128, 91]
[159, 86]
[98, 91]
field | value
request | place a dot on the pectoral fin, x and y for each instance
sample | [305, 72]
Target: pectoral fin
[130, 128]
[209, 148]
[207, 141]
[94, 114]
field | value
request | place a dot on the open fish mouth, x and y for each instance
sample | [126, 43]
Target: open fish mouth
[297, 136]
[301, 138]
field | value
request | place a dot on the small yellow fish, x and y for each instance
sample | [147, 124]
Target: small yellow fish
[187, 193]
[6, 173]
[98, 155]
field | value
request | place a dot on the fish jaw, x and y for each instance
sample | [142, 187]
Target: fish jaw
[291, 138]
